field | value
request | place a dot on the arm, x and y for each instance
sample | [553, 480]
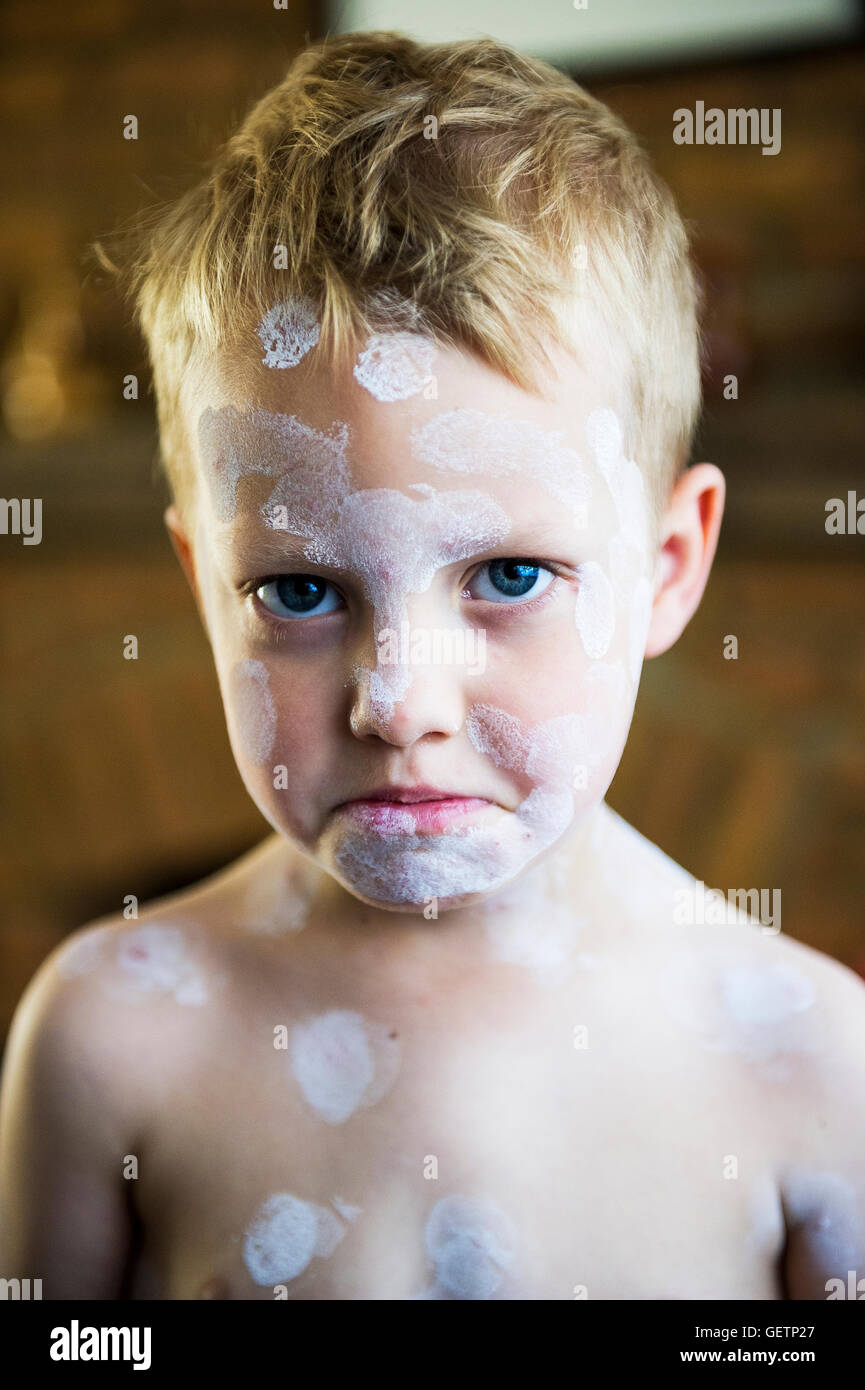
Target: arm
[64, 1214]
[823, 1190]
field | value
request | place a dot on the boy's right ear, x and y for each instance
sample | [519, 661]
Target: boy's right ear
[183, 550]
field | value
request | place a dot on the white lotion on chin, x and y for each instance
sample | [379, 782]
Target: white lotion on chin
[253, 709]
[343, 1062]
[402, 867]
[288, 331]
[285, 1235]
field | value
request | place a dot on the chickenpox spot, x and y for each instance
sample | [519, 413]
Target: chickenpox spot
[138, 962]
[343, 1062]
[236, 444]
[764, 1011]
[622, 475]
[472, 1246]
[470, 441]
[394, 366]
[253, 709]
[288, 331]
[595, 610]
[285, 1236]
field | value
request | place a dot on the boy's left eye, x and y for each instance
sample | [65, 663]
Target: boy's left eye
[298, 596]
[510, 580]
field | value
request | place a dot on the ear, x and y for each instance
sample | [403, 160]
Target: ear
[688, 540]
[182, 544]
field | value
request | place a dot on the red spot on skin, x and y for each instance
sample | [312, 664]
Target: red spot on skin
[138, 951]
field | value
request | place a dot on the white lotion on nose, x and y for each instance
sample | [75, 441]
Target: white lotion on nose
[341, 1062]
[285, 1235]
[254, 712]
[288, 331]
[394, 366]
[394, 544]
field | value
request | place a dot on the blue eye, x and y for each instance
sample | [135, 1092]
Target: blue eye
[511, 579]
[298, 596]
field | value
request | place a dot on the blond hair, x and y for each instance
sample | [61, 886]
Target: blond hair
[472, 222]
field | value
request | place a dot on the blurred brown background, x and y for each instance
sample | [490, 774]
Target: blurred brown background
[118, 776]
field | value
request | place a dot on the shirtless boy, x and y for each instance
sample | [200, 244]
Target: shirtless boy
[425, 355]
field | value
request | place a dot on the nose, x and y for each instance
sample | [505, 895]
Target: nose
[405, 691]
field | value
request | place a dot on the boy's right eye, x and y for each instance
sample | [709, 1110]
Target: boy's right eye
[298, 596]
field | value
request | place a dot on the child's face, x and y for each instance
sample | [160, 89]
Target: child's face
[450, 589]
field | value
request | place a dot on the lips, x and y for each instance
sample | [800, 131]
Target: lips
[387, 817]
[404, 795]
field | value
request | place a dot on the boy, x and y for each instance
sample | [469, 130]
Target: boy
[425, 352]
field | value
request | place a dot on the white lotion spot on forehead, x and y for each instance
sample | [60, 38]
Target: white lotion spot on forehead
[623, 476]
[469, 441]
[286, 1233]
[234, 444]
[288, 331]
[595, 610]
[471, 1244]
[254, 712]
[394, 366]
[342, 1062]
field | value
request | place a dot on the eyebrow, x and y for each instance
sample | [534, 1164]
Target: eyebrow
[278, 550]
[266, 545]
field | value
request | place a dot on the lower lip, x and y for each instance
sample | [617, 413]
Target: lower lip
[427, 815]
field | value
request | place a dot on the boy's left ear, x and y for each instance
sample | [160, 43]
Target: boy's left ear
[688, 540]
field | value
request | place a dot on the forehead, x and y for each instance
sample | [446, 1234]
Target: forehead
[320, 394]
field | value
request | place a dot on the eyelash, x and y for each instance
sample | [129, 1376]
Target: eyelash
[280, 625]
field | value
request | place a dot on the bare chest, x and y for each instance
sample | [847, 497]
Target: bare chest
[409, 1158]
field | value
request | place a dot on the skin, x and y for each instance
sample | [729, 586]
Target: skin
[490, 1081]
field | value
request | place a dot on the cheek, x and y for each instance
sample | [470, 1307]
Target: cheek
[277, 724]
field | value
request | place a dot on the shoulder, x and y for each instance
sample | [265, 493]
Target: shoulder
[113, 1006]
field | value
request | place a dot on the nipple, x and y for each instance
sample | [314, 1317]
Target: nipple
[215, 1288]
